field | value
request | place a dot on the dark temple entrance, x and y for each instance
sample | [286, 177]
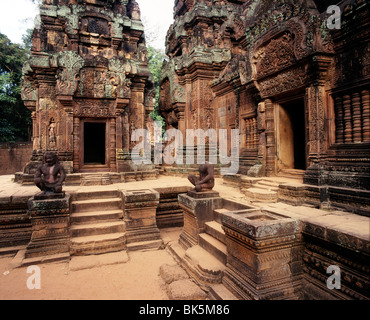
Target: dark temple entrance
[94, 143]
[291, 135]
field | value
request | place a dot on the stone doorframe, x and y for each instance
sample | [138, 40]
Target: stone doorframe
[79, 165]
[278, 106]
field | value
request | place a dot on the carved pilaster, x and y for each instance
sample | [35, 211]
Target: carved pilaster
[112, 149]
[270, 139]
[76, 143]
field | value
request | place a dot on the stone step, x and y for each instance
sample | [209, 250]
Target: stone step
[215, 247]
[97, 228]
[98, 244]
[11, 250]
[268, 185]
[214, 229]
[88, 262]
[145, 245]
[220, 292]
[217, 214]
[203, 265]
[96, 216]
[262, 195]
[269, 182]
[292, 174]
[96, 179]
[94, 195]
[97, 204]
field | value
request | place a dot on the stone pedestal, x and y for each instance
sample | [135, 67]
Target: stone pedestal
[264, 255]
[50, 218]
[140, 207]
[198, 209]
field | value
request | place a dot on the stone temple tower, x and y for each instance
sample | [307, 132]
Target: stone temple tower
[87, 83]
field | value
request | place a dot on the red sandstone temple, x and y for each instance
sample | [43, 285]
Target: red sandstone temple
[295, 87]
[297, 90]
[87, 83]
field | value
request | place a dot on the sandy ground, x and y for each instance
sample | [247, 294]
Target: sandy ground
[134, 280]
[137, 279]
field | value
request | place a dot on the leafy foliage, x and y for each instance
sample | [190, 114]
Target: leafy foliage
[155, 59]
[15, 118]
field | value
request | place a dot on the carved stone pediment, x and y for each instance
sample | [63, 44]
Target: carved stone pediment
[275, 55]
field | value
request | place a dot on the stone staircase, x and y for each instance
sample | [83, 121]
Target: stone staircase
[97, 225]
[213, 240]
[262, 191]
[292, 174]
[206, 262]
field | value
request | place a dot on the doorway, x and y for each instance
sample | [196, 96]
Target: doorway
[291, 135]
[94, 140]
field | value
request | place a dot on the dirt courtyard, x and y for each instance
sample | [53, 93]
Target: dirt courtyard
[137, 279]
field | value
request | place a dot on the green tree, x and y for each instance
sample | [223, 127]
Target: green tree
[15, 118]
[155, 60]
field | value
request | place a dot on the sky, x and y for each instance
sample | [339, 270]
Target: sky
[16, 16]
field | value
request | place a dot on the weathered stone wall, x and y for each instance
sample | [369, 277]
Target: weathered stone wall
[13, 157]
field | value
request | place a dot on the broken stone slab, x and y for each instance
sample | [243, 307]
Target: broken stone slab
[185, 289]
[171, 273]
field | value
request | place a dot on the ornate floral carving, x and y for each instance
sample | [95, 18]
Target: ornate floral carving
[284, 81]
[276, 55]
[93, 109]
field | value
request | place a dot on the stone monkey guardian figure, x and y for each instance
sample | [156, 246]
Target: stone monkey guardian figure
[206, 179]
[46, 176]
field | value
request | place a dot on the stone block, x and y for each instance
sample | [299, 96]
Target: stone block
[262, 245]
[140, 207]
[50, 220]
[197, 211]
[171, 273]
[185, 290]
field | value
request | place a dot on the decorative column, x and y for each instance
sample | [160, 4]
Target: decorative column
[339, 120]
[112, 147]
[317, 139]
[76, 144]
[347, 119]
[365, 100]
[356, 109]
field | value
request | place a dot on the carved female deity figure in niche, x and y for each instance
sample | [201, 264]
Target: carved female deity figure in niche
[51, 130]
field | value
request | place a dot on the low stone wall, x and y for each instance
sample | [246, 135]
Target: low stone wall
[169, 213]
[13, 157]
